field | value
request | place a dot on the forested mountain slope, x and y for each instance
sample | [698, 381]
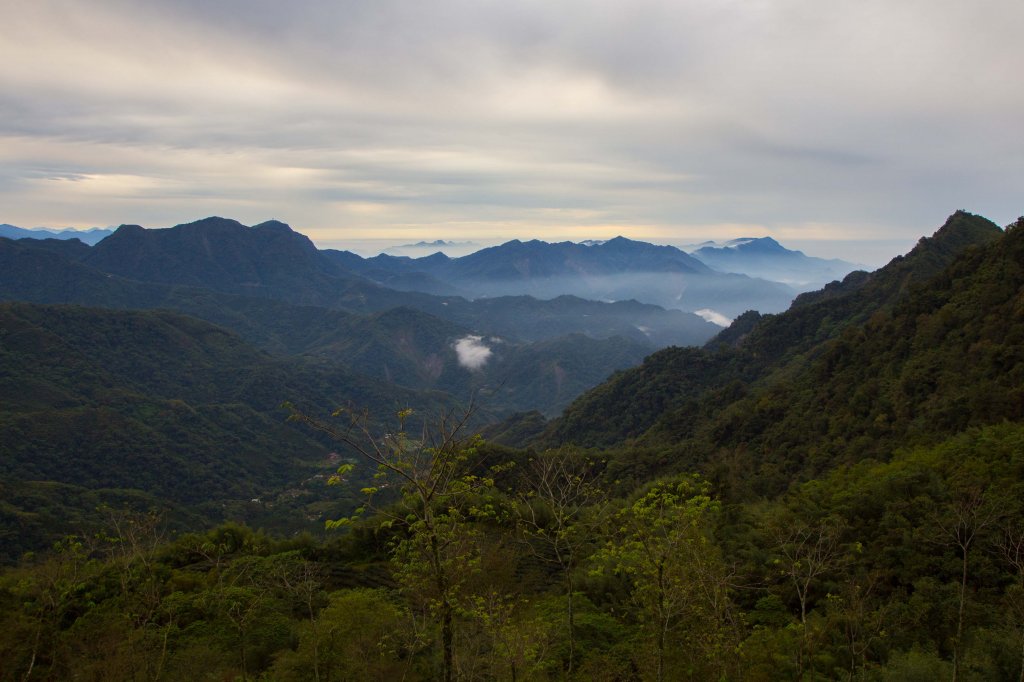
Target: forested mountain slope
[401, 345]
[906, 356]
[157, 402]
[845, 507]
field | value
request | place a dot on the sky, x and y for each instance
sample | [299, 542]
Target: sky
[846, 128]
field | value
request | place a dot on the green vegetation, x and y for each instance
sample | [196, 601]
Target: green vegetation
[155, 408]
[541, 357]
[905, 357]
[879, 570]
[835, 492]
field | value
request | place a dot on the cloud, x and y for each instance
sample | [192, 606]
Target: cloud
[455, 119]
[473, 354]
[713, 317]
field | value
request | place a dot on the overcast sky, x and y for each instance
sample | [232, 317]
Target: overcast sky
[854, 121]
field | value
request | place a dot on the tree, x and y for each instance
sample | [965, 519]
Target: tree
[1011, 548]
[439, 475]
[514, 639]
[48, 594]
[662, 546]
[808, 552]
[302, 582]
[859, 617]
[356, 637]
[557, 515]
[971, 511]
[131, 544]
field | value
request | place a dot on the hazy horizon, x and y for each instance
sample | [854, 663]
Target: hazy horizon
[872, 254]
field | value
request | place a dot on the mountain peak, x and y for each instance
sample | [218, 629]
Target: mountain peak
[274, 226]
[129, 230]
[962, 229]
[215, 252]
[213, 222]
[435, 258]
[763, 244]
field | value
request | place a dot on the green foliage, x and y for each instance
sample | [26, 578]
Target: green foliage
[661, 546]
[851, 576]
[154, 409]
[436, 552]
[361, 634]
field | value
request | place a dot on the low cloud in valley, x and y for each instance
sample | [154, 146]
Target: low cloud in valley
[472, 352]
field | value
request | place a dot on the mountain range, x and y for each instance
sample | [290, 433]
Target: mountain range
[830, 492]
[428, 248]
[614, 270]
[91, 236]
[191, 337]
[400, 344]
[270, 261]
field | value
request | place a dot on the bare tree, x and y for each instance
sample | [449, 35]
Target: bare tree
[560, 507]
[970, 512]
[809, 552]
[1011, 547]
[303, 580]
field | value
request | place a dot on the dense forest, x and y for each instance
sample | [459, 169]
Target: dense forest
[833, 492]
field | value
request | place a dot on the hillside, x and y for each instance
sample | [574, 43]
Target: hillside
[839, 377]
[843, 503]
[165, 405]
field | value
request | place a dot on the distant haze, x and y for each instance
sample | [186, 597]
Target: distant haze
[865, 122]
[870, 253]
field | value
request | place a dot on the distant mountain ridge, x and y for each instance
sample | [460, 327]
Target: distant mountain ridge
[618, 269]
[90, 236]
[426, 248]
[270, 260]
[765, 258]
[385, 336]
[609, 270]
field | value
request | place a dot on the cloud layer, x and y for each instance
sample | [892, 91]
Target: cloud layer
[853, 120]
